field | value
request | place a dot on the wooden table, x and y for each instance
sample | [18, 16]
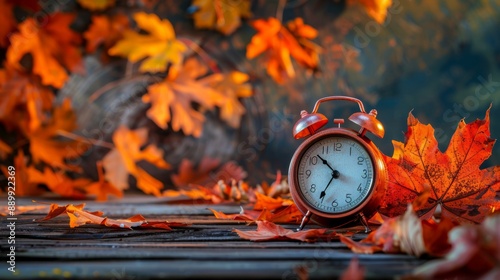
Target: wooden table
[206, 249]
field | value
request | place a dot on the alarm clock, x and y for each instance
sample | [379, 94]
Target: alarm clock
[337, 175]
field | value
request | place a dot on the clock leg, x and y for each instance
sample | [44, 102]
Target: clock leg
[305, 220]
[364, 222]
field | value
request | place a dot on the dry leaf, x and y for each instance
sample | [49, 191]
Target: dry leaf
[122, 161]
[459, 189]
[106, 31]
[23, 185]
[269, 231]
[159, 46]
[5, 149]
[171, 100]
[53, 47]
[221, 15]
[282, 43]
[58, 182]
[79, 217]
[407, 234]
[270, 203]
[189, 175]
[289, 214]
[377, 9]
[24, 102]
[102, 188]
[232, 86]
[46, 145]
[96, 5]
[475, 253]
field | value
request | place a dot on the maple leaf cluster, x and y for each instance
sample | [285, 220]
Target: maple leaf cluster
[41, 55]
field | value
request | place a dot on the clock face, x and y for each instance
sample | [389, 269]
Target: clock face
[335, 174]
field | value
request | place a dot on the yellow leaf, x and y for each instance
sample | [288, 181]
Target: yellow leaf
[159, 47]
[377, 9]
[96, 5]
[221, 15]
[122, 160]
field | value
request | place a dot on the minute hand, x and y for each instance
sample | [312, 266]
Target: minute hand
[325, 162]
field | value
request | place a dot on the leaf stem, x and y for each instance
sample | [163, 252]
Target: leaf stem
[83, 139]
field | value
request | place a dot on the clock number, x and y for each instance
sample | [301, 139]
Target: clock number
[313, 160]
[359, 188]
[325, 150]
[308, 173]
[337, 147]
[313, 188]
[365, 174]
[348, 198]
[361, 160]
[335, 203]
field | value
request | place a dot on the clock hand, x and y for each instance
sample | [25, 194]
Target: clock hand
[335, 175]
[326, 163]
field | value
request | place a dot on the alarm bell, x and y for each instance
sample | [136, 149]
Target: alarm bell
[310, 123]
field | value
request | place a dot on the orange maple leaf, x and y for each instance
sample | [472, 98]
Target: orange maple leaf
[102, 188]
[171, 100]
[23, 185]
[122, 161]
[96, 5]
[79, 217]
[282, 43]
[232, 86]
[269, 231]
[47, 145]
[459, 189]
[377, 9]
[58, 182]
[105, 30]
[52, 45]
[406, 234]
[7, 22]
[159, 46]
[221, 15]
[266, 202]
[5, 149]
[289, 214]
[24, 102]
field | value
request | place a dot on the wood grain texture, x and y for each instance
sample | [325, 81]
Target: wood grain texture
[206, 249]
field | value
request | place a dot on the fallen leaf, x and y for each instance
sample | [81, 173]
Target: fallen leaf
[376, 9]
[221, 15]
[269, 231]
[7, 22]
[406, 234]
[282, 43]
[354, 271]
[79, 217]
[22, 209]
[189, 175]
[58, 182]
[24, 102]
[46, 144]
[98, 5]
[270, 203]
[23, 185]
[289, 214]
[53, 47]
[232, 86]
[102, 188]
[122, 160]
[105, 30]
[171, 100]
[475, 253]
[459, 189]
[159, 46]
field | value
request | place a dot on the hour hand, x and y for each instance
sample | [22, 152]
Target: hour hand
[325, 162]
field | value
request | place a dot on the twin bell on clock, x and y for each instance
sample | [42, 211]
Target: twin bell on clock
[337, 175]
